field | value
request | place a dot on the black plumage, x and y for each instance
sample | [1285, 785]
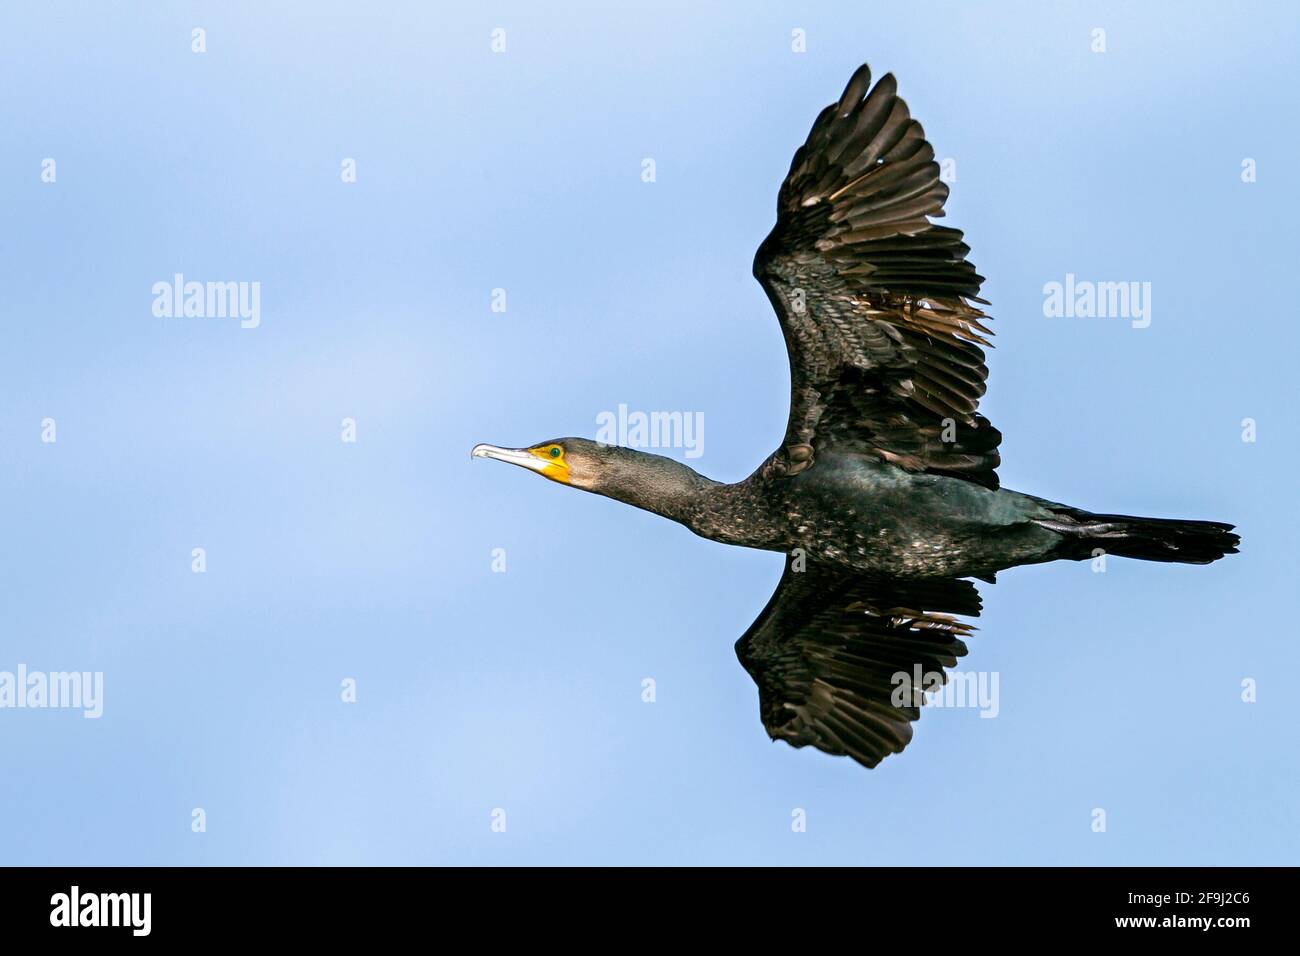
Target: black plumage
[884, 493]
[828, 650]
[875, 301]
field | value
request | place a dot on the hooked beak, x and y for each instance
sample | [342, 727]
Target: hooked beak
[514, 456]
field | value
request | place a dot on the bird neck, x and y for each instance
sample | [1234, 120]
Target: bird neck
[661, 486]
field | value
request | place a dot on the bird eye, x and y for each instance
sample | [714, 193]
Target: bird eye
[555, 451]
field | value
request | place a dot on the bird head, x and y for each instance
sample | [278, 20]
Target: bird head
[647, 481]
[570, 461]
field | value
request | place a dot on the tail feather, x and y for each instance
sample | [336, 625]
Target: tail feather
[1150, 539]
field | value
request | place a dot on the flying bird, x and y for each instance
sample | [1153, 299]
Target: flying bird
[884, 493]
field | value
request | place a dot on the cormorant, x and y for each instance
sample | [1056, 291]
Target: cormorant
[883, 494]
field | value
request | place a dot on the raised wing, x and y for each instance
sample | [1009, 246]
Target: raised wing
[836, 657]
[874, 300]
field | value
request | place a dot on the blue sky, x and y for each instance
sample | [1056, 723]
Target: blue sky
[371, 560]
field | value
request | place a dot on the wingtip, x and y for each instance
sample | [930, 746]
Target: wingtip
[856, 88]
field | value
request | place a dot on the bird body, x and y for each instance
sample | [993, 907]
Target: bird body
[884, 492]
[862, 514]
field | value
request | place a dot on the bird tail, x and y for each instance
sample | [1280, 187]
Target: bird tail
[1150, 539]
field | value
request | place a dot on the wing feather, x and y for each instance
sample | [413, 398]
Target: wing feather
[874, 297]
[827, 652]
